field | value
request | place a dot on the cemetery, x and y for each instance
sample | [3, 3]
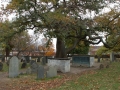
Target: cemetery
[50, 70]
[59, 45]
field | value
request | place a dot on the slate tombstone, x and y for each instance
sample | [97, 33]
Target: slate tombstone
[8, 61]
[44, 59]
[52, 72]
[27, 59]
[32, 61]
[28, 71]
[3, 59]
[23, 60]
[1, 66]
[34, 67]
[112, 56]
[24, 64]
[13, 67]
[40, 73]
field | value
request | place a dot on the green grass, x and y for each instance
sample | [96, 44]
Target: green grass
[5, 67]
[105, 79]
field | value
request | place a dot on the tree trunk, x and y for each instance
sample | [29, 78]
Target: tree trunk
[60, 49]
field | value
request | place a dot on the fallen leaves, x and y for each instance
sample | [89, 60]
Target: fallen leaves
[28, 83]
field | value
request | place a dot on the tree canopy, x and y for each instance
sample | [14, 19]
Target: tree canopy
[110, 25]
[12, 40]
[63, 19]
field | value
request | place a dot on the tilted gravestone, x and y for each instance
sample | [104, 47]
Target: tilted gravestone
[1, 66]
[40, 73]
[52, 72]
[34, 67]
[13, 67]
[24, 64]
[32, 61]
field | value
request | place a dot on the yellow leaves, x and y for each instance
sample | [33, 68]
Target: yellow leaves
[50, 53]
[49, 50]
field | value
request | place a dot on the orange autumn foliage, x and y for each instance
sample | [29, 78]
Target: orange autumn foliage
[49, 51]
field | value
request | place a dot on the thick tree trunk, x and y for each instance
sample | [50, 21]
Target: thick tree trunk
[60, 49]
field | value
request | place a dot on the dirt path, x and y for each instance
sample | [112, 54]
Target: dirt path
[79, 69]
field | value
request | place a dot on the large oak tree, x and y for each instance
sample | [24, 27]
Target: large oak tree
[62, 19]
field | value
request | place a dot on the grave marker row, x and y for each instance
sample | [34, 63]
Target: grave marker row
[35, 68]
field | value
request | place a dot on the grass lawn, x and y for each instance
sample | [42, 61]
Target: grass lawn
[105, 79]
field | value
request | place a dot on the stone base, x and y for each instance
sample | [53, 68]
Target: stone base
[61, 64]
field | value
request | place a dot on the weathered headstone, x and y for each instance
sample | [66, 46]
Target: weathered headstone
[34, 67]
[112, 57]
[28, 71]
[52, 72]
[27, 59]
[43, 60]
[32, 61]
[8, 61]
[98, 58]
[14, 67]
[1, 66]
[40, 73]
[23, 65]
[3, 59]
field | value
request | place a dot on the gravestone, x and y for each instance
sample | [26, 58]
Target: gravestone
[3, 59]
[34, 67]
[112, 57]
[23, 65]
[8, 61]
[32, 61]
[52, 72]
[13, 67]
[40, 73]
[28, 71]
[44, 59]
[27, 59]
[1, 66]
[98, 59]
